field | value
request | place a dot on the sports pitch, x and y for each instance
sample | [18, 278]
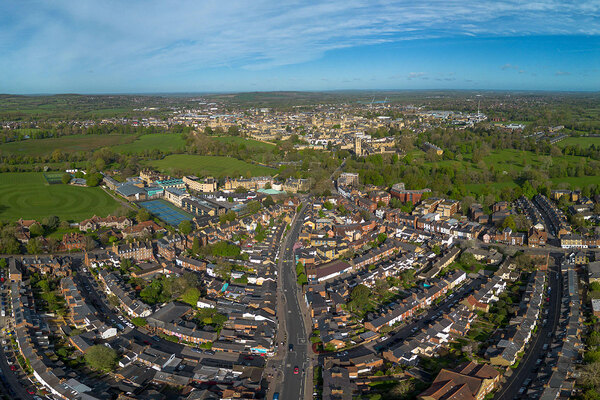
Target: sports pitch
[28, 195]
[166, 211]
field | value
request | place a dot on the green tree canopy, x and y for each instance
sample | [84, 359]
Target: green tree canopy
[185, 227]
[101, 358]
[66, 178]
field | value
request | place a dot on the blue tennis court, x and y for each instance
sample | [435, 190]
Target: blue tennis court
[166, 211]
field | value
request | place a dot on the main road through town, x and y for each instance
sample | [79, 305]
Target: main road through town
[293, 385]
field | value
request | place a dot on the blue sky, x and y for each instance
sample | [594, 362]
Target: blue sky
[112, 46]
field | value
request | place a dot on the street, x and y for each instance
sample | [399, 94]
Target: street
[534, 349]
[293, 385]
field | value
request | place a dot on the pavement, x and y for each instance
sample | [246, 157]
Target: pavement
[535, 348]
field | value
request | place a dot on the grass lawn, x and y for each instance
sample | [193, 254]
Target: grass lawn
[579, 181]
[584, 142]
[160, 141]
[67, 144]
[27, 195]
[216, 166]
[478, 187]
[249, 143]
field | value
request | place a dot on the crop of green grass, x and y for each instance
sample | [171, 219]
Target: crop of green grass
[579, 181]
[159, 141]
[582, 141]
[249, 143]
[28, 195]
[66, 144]
[216, 166]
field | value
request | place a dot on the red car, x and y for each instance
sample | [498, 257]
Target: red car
[296, 370]
[13, 368]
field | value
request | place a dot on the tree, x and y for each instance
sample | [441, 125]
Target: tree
[51, 222]
[191, 296]
[66, 178]
[403, 389]
[36, 230]
[101, 358]
[185, 227]
[509, 222]
[93, 179]
[34, 246]
[360, 294]
[142, 215]
[196, 245]
[268, 201]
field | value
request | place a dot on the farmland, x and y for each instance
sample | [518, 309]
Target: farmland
[159, 141]
[27, 195]
[216, 166]
[583, 141]
[66, 144]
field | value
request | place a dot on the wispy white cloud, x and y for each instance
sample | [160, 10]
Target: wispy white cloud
[132, 39]
[562, 73]
[508, 66]
[414, 75]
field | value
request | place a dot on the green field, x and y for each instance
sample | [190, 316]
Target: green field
[216, 166]
[159, 141]
[249, 143]
[578, 181]
[582, 141]
[67, 144]
[28, 195]
[504, 160]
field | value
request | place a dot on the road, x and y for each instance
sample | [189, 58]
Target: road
[293, 385]
[535, 350]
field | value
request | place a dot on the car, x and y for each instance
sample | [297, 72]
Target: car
[291, 347]
[197, 351]
[156, 338]
[30, 391]
[296, 370]
[146, 342]
[13, 367]
[209, 352]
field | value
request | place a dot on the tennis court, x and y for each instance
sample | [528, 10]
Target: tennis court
[166, 211]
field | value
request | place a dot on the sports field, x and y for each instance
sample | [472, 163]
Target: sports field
[216, 166]
[66, 144]
[28, 195]
[166, 211]
[159, 141]
[250, 144]
[583, 141]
